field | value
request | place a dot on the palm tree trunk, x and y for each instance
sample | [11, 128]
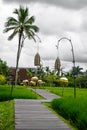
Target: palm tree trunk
[18, 56]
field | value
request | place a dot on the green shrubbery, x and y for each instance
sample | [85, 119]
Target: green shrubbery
[2, 79]
[72, 109]
[82, 81]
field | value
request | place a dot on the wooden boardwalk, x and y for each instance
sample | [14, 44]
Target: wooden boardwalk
[45, 94]
[33, 115]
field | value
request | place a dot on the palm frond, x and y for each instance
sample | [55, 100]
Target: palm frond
[12, 35]
[32, 27]
[23, 13]
[16, 11]
[35, 28]
[8, 29]
[11, 21]
[30, 20]
[32, 37]
[30, 34]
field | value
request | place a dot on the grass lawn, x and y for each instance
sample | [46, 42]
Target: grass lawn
[49, 106]
[74, 110]
[20, 92]
[7, 115]
[68, 92]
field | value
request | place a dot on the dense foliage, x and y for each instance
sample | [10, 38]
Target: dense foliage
[81, 81]
[4, 69]
[72, 109]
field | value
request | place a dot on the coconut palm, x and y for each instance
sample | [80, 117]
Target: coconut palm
[24, 27]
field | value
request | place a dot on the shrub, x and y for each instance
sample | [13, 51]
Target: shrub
[51, 80]
[2, 79]
[82, 82]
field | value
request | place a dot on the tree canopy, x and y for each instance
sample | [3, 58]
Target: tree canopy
[4, 69]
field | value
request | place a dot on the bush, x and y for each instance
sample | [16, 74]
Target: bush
[72, 109]
[51, 80]
[71, 81]
[2, 80]
[82, 82]
[56, 83]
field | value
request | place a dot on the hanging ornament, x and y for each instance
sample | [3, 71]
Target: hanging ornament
[37, 59]
[57, 64]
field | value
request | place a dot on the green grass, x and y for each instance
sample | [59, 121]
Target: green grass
[7, 115]
[20, 92]
[75, 110]
[7, 107]
[49, 106]
[68, 92]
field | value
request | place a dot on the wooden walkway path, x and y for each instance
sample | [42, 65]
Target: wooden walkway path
[46, 94]
[33, 115]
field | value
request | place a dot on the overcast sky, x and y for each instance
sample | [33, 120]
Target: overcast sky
[56, 19]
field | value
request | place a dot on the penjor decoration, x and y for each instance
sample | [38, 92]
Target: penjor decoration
[57, 62]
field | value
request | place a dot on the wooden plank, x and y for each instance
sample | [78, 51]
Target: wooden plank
[33, 115]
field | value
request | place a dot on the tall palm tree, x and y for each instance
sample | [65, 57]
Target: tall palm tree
[24, 27]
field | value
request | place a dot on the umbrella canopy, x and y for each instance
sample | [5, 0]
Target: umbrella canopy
[34, 78]
[63, 79]
[25, 81]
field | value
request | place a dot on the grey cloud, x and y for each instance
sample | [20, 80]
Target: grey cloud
[54, 23]
[81, 59]
[71, 4]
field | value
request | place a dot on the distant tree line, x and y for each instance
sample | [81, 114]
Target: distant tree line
[50, 77]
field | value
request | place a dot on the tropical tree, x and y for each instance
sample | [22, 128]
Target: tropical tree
[76, 71]
[24, 27]
[40, 71]
[4, 69]
[47, 70]
[30, 73]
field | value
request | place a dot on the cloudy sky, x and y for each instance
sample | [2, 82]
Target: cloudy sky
[56, 19]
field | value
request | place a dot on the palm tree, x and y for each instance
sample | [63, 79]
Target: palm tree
[47, 70]
[24, 27]
[76, 71]
[30, 73]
